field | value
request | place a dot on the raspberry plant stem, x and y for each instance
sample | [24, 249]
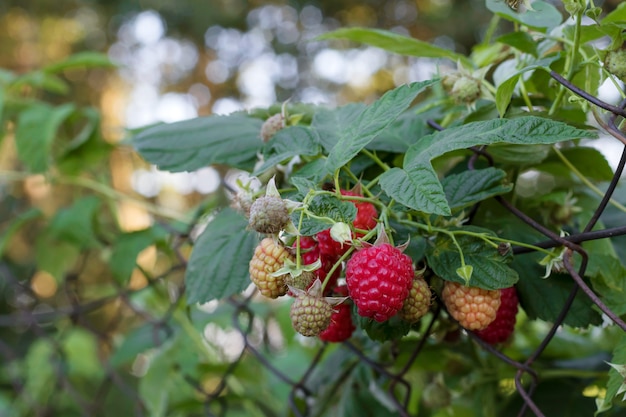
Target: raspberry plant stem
[570, 63]
[376, 159]
[585, 180]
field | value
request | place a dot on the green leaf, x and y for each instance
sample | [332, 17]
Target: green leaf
[417, 186]
[75, 224]
[589, 161]
[608, 277]
[15, 225]
[39, 368]
[303, 184]
[395, 43]
[391, 329]
[218, 266]
[56, 262]
[371, 122]
[232, 140]
[329, 208]
[615, 379]
[330, 123]
[128, 246]
[521, 41]
[519, 155]
[489, 268]
[80, 349]
[139, 340]
[401, 134]
[505, 90]
[560, 397]
[287, 143]
[164, 384]
[41, 80]
[470, 187]
[314, 171]
[616, 16]
[36, 129]
[543, 298]
[544, 16]
[85, 59]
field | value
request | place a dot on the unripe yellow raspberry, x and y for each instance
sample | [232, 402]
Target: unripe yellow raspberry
[269, 256]
[474, 308]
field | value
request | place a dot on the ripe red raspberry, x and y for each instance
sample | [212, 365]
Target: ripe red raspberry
[327, 263]
[269, 256]
[310, 314]
[474, 308]
[366, 213]
[379, 278]
[310, 253]
[417, 303]
[268, 214]
[340, 327]
[502, 327]
[330, 247]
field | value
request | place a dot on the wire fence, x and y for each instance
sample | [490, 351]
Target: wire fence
[28, 322]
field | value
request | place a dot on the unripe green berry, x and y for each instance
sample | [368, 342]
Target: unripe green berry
[615, 63]
[272, 125]
[310, 315]
[466, 89]
[268, 214]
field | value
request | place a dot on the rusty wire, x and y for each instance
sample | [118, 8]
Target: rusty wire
[243, 316]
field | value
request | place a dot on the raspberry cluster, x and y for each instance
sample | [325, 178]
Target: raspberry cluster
[380, 280]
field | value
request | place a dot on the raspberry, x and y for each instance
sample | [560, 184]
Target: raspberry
[340, 327]
[417, 303]
[268, 214]
[365, 220]
[463, 87]
[502, 327]
[268, 258]
[272, 125]
[310, 253]
[366, 213]
[310, 314]
[301, 282]
[615, 63]
[330, 247]
[474, 308]
[327, 264]
[379, 278]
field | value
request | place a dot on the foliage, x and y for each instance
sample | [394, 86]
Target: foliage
[491, 190]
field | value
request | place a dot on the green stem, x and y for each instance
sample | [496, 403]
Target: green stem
[525, 96]
[570, 63]
[484, 237]
[193, 334]
[376, 159]
[491, 29]
[585, 180]
[571, 373]
[343, 257]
